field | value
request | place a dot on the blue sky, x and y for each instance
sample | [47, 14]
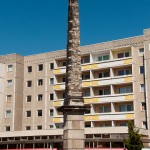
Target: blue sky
[36, 26]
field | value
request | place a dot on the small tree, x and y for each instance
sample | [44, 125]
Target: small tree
[134, 140]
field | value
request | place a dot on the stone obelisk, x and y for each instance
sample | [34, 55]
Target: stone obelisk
[73, 108]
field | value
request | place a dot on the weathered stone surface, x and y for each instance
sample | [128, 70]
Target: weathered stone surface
[73, 108]
[73, 70]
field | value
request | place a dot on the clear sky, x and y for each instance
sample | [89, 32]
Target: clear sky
[36, 26]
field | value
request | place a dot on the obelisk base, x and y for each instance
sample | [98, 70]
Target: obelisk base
[74, 128]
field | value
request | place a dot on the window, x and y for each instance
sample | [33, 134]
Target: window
[104, 74]
[143, 106]
[85, 60]
[51, 96]
[40, 82]
[51, 81]
[28, 113]
[104, 92]
[144, 124]
[142, 87]
[64, 95]
[141, 69]
[64, 63]
[105, 125]
[29, 68]
[28, 127]
[39, 113]
[40, 67]
[51, 126]
[8, 114]
[123, 108]
[86, 93]
[59, 125]
[39, 127]
[122, 55]
[64, 79]
[40, 97]
[86, 77]
[51, 113]
[141, 51]
[104, 109]
[51, 66]
[126, 89]
[10, 68]
[104, 57]
[7, 128]
[29, 83]
[123, 124]
[123, 72]
[8, 98]
[9, 83]
[29, 98]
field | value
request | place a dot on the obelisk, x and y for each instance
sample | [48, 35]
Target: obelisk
[73, 108]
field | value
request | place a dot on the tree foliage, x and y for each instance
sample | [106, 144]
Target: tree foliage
[134, 140]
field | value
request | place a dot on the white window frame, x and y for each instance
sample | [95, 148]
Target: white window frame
[27, 114]
[8, 115]
[10, 68]
[142, 89]
[9, 83]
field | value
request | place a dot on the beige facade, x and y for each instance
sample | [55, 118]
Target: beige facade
[32, 88]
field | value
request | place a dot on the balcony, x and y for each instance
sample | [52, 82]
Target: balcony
[110, 116]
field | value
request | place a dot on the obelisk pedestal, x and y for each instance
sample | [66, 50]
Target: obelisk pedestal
[73, 108]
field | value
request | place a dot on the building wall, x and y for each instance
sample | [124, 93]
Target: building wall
[91, 87]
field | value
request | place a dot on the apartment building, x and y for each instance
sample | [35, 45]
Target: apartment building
[115, 82]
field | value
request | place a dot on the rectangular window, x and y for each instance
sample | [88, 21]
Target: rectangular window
[51, 113]
[51, 66]
[40, 82]
[9, 83]
[39, 127]
[104, 92]
[29, 83]
[64, 79]
[10, 68]
[142, 87]
[64, 94]
[141, 50]
[86, 93]
[28, 127]
[40, 67]
[124, 108]
[8, 114]
[51, 126]
[51, 96]
[104, 57]
[123, 124]
[122, 55]
[64, 63]
[85, 60]
[104, 109]
[144, 124]
[29, 98]
[51, 81]
[86, 77]
[127, 89]
[141, 69]
[7, 128]
[8, 98]
[143, 106]
[28, 113]
[40, 97]
[29, 69]
[104, 74]
[39, 113]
